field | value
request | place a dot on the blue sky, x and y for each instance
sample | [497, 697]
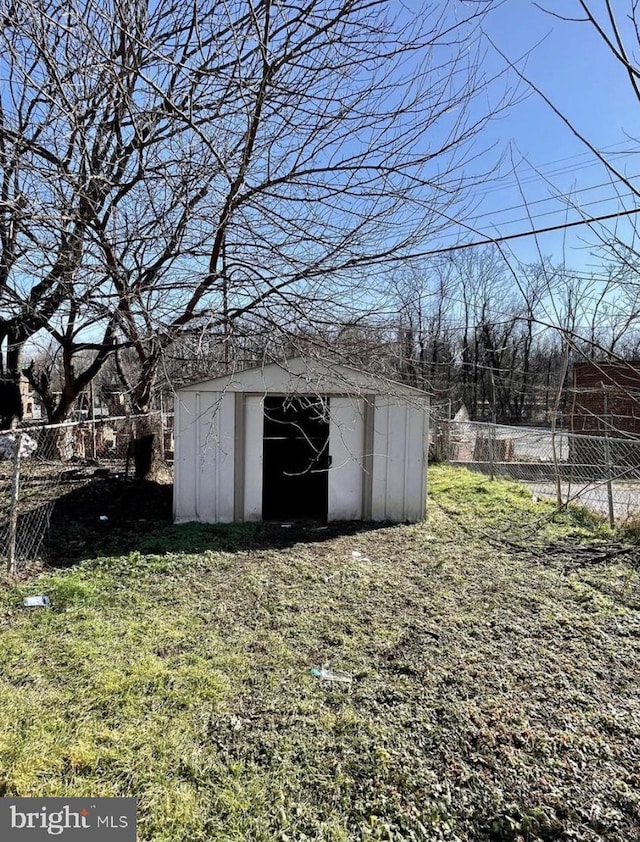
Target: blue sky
[568, 61]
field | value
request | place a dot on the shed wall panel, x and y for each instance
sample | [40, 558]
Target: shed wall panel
[396, 467]
[380, 460]
[208, 424]
[253, 456]
[346, 447]
[399, 463]
[215, 437]
[185, 462]
[226, 472]
[416, 464]
[204, 475]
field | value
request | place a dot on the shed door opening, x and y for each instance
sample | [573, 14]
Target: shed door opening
[296, 458]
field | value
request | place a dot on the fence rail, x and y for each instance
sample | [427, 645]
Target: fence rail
[38, 463]
[601, 473]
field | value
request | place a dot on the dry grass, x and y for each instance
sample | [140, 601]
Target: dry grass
[494, 695]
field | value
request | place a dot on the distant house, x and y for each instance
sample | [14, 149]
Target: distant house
[31, 408]
[605, 399]
[604, 416]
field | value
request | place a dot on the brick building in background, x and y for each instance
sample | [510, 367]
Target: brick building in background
[604, 402]
[605, 399]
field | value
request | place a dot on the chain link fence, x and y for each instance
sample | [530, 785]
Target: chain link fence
[38, 464]
[601, 473]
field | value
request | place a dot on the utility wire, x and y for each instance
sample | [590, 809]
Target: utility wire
[532, 233]
[539, 175]
[537, 217]
[567, 198]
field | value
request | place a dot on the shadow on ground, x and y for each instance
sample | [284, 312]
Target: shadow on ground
[111, 516]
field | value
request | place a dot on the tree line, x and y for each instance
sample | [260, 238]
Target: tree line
[462, 329]
[189, 187]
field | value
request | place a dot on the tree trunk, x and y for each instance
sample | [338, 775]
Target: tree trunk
[10, 398]
[146, 449]
[10, 403]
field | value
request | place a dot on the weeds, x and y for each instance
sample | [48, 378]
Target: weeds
[494, 693]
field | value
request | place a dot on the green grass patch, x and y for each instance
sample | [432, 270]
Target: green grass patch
[507, 508]
[494, 693]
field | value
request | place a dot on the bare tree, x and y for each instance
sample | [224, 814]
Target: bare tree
[606, 305]
[93, 180]
[473, 332]
[427, 314]
[170, 167]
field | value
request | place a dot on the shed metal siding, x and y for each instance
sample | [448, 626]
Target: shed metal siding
[185, 459]
[392, 473]
[216, 414]
[204, 458]
[399, 465]
[253, 456]
[346, 447]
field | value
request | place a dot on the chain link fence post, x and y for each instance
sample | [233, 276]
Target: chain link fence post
[556, 459]
[441, 439]
[492, 450]
[607, 456]
[12, 558]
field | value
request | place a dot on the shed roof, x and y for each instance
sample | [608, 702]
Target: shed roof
[305, 376]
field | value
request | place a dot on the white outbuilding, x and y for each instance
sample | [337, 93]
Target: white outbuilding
[300, 440]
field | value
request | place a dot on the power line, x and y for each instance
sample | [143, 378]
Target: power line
[559, 198]
[532, 233]
[603, 201]
[538, 174]
[586, 154]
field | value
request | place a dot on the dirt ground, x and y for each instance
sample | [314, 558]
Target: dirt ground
[104, 514]
[493, 652]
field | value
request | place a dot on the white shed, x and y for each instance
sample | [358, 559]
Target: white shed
[300, 440]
